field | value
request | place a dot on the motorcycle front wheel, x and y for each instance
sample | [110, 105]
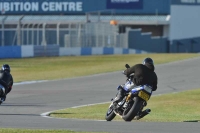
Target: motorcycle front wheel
[131, 111]
[110, 114]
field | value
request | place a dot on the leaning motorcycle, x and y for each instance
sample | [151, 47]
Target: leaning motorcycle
[131, 106]
[2, 94]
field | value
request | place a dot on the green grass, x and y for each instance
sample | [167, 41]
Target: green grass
[176, 107]
[5, 130]
[182, 106]
[49, 68]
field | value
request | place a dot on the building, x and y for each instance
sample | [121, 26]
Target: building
[149, 25]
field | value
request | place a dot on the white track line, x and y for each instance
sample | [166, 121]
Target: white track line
[47, 114]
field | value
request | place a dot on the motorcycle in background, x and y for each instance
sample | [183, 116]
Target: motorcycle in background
[2, 94]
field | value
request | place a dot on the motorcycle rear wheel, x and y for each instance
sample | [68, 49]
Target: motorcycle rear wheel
[110, 114]
[130, 113]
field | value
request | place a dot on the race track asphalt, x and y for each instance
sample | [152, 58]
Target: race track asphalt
[27, 101]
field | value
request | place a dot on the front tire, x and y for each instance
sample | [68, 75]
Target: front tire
[130, 113]
[110, 114]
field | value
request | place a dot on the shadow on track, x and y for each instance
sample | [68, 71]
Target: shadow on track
[192, 121]
[61, 113]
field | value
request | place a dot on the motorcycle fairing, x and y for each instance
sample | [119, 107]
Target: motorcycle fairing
[128, 85]
[147, 88]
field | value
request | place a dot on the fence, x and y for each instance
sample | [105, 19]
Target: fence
[77, 34]
[19, 31]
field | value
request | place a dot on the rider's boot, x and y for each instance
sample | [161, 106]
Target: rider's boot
[3, 98]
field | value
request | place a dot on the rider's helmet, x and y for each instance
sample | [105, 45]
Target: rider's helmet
[6, 68]
[148, 61]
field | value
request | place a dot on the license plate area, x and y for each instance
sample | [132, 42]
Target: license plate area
[144, 95]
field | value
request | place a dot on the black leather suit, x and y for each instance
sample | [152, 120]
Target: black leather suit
[6, 80]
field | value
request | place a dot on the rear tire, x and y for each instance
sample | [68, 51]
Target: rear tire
[110, 114]
[130, 113]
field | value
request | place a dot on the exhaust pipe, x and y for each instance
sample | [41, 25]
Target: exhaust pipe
[142, 114]
[145, 112]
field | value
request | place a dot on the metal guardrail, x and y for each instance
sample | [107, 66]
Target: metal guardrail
[64, 34]
[90, 30]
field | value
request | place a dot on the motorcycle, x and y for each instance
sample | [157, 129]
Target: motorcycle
[2, 94]
[131, 106]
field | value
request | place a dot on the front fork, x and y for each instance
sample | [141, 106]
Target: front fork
[127, 100]
[128, 97]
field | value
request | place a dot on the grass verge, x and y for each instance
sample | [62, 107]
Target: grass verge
[176, 107]
[49, 68]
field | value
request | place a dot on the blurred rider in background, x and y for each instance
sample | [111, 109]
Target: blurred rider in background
[6, 82]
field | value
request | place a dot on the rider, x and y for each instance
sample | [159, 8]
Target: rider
[143, 74]
[6, 82]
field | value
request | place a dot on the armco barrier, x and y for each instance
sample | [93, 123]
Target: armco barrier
[97, 51]
[10, 52]
[27, 51]
[86, 51]
[49, 50]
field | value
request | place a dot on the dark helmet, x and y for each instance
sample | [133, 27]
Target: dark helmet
[6, 67]
[148, 61]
